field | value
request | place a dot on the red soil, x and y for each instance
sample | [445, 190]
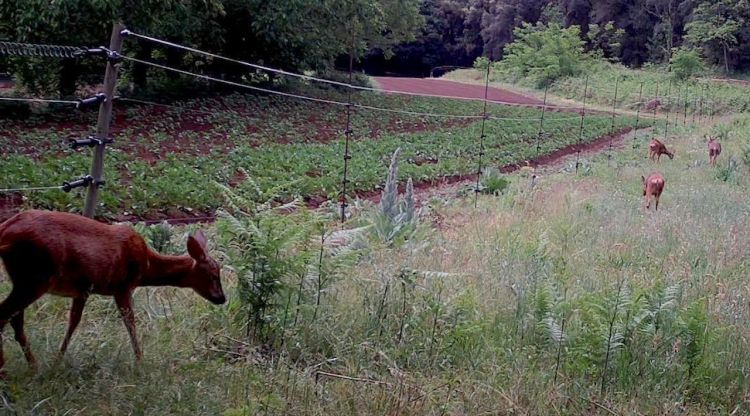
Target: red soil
[452, 89]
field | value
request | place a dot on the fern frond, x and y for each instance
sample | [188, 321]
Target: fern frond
[554, 331]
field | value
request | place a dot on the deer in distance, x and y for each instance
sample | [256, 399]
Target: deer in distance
[652, 188]
[656, 148]
[72, 256]
[714, 150]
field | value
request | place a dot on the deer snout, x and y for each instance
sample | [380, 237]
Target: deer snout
[219, 299]
[216, 294]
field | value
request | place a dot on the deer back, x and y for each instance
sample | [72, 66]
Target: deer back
[74, 253]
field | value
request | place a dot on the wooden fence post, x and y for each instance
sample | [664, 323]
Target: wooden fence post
[103, 122]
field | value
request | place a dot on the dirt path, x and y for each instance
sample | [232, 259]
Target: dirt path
[452, 89]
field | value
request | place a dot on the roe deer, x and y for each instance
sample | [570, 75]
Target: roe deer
[656, 148]
[69, 255]
[652, 188]
[714, 150]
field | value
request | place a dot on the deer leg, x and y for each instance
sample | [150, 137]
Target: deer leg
[17, 323]
[657, 203]
[124, 303]
[15, 303]
[76, 310]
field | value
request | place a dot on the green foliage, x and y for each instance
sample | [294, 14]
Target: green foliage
[299, 34]
[545, 53]
[492, 182]
[694, 332]
[87, 23]
[716, 27]
[728, 172]
[606, 40]
[266, 251]
[159, 237]
[685, 63]
[481, 63]
[719, 96]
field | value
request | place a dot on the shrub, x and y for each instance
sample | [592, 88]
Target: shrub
[481, 63]
[685, 63]
[492, 182]
[545, 53]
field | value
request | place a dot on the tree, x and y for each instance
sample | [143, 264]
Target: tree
[89, 23]
[545, 53]
[685, 63]
[606, 40]
[443, 40]
[716, 25]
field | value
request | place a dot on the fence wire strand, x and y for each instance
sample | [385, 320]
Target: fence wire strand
[321, 100]
[39, 50]
[28, 189]
[338, 83]
[39, 100]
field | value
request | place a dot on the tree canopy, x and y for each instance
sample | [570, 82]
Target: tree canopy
[291, 34]
[403, 36]
[634, 32]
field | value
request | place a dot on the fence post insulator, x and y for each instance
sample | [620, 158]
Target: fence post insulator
[125, 33]
[98, 98]
[89, 141]
[78, 183]
[114, 57]
[90, 51]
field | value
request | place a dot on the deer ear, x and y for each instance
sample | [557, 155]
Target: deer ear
[201, 238]
[196, 246]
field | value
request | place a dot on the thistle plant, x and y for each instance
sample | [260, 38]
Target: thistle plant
[396, 219]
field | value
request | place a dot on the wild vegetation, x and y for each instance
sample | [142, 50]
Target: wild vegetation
[546, 291]
[560, 294]
[402, 36]
[553, 59]
[634, 33]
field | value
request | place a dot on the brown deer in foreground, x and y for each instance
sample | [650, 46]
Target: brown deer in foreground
[73, 256]
[714, 150]
[652, 188]
[656, 148]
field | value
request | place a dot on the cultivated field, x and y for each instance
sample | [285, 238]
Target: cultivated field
[165, 161]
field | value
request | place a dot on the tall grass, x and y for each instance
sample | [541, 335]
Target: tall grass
[699, 96]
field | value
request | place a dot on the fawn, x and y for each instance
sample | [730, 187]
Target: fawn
[72, 256]
[714, 150]
[652, 188]
[656, 148]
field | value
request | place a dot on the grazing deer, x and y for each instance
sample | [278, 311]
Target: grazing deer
[656, 148]
[652, 188]
[69, 255]
[714, 150]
